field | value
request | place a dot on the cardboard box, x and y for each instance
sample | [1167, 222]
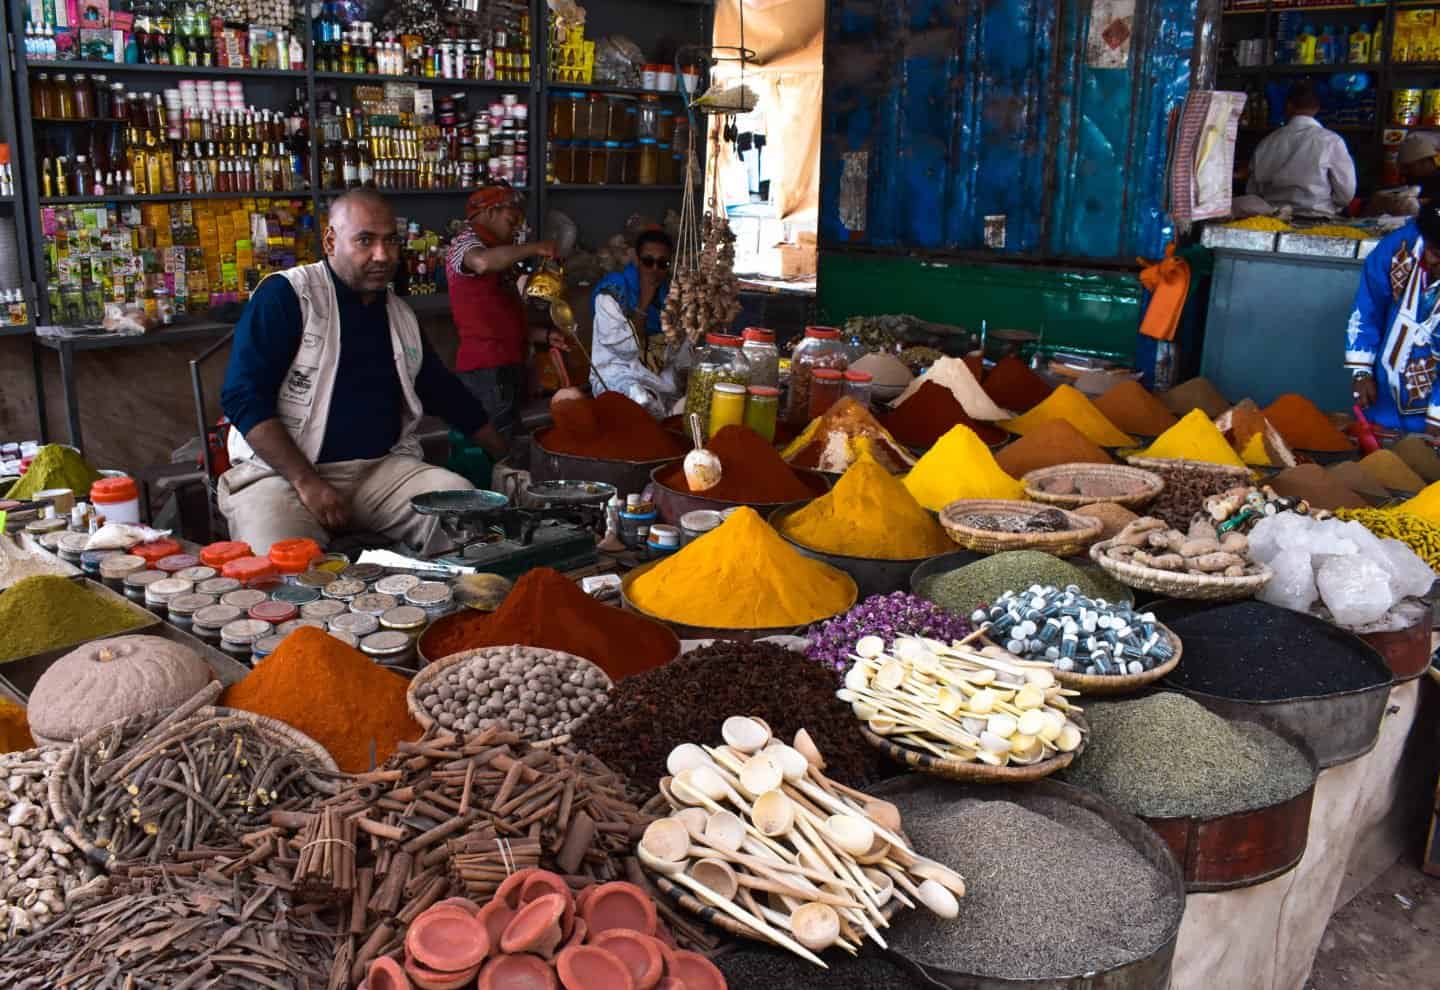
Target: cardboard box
[797, 260]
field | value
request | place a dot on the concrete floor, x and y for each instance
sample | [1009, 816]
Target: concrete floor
[1387, 936]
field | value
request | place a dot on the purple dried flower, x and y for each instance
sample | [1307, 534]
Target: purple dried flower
[886, 616]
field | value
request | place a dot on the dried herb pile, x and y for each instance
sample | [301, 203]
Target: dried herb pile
[650, 714]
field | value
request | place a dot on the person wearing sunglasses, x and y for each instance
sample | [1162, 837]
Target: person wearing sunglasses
[630, 352]
[486, 305]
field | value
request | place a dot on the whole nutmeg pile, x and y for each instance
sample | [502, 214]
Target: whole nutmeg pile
[537, 692]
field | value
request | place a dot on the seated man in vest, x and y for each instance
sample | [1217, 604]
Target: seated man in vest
[328, 377]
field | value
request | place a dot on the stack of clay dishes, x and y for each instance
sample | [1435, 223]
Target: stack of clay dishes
[535, 935]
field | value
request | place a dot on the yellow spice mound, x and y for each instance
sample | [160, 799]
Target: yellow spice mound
[1426, 505]
[1070, 404]
[959, 466]
[742, 575]
[869, 513]
[1194, 438]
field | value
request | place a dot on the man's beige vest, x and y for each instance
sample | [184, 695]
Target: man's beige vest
[303, 404]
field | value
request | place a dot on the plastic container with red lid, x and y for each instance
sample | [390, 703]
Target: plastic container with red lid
[155, 550]
[295, 556]
[250, 570]
[117, 499]
[220, 554]
[274, 612]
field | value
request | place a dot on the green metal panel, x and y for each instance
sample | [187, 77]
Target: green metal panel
[1092, 312]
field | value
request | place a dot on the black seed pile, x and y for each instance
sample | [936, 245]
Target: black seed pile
[650, 713]
[769, 969]
[1052, 890]
[1250, 651]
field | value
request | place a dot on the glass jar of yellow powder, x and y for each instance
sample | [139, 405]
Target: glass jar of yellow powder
[727, 406]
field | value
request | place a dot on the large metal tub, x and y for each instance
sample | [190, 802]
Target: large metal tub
[1406, 651]
[1247, 847]
[873, 575]
[628, 477]
[1338, 727]
[1151, 972]
[685, 631]
[672, 504]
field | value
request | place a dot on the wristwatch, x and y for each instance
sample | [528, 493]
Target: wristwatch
[1358, 373]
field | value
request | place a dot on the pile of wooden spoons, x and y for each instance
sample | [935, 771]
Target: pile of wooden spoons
[961, 703]
[760, 834]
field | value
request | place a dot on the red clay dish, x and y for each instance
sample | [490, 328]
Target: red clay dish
[386, 974]
[430, 979]
[536, 928]
[641, 953]
[695, 971]
[447, 940]
[496, 917]
[517, 972]
[463, 903]
[620, 905]
[577, 934]
[586, 967]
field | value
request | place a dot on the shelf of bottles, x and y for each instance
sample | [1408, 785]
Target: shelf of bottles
[485, 43]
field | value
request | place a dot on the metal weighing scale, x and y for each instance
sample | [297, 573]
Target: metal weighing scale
[557, 527]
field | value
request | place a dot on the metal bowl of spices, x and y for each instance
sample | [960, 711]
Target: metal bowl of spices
[673, 504]
[873, 575]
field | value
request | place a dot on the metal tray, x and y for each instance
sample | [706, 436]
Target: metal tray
[1308, 244]
[20, 675]
[1220, 236]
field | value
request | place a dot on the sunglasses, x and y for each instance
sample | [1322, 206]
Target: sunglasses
[650, 262]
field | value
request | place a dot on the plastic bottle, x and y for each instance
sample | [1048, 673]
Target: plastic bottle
[1377, 41]
[1325, 46]
[1305, 46]
[1360, 44]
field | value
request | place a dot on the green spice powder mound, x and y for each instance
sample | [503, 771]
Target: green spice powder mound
[55, 466]
[966, 588]
[43, 612]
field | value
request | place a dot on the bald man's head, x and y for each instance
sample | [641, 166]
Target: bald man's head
[361, 240]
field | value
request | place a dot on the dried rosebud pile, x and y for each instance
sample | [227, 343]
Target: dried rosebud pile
[886, 616]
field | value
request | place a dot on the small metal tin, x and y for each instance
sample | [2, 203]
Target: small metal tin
[355, 623]
[334, 563]
[71, 545]
[430, 595]
[315, 579]
[295, 594]
[45, 527]
[197, 573]
[323, 610]
[266, 645]
[90, 560]
[177, 562]
[217, 586]
[373, 603]
[135, 584]
[286, 628]
[208, 621]
[365, 573]
[238, 638]
[343, 590]
[244, 599]
[274, 612]
[185, 606]
[388, 647]
[409, 619]
[114, 570]
[349, 639]
[396, 584]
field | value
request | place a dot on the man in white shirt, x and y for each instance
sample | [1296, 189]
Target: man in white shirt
[1302, 165]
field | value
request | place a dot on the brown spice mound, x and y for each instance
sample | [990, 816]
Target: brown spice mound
[1321, 490]
[1421, 457]
[1304, 426]
[1113, 517]
[925, 417]
[1130, 406]
[1197, 393]
[752, 471]
[1386, 468]
[1352, 475]
[609, 426]
[1013, 385]
[1049, 444]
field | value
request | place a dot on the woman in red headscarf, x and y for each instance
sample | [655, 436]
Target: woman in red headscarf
[486, 305]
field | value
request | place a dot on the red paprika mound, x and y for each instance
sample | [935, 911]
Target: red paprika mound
[1013, 385]
[548, 610]
[925, 417]
[753, 471]
[1304, 426]
[609, 426]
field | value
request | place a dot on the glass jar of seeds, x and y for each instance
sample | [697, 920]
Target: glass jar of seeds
[722, 360]
[821, 348]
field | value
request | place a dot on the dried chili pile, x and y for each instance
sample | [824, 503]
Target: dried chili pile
[547, 609]
[687, 699]
[609, 426]
[1013, 385]
[753, 471]
[925, 417]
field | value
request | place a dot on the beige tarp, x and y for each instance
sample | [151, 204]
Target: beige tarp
[788, 38]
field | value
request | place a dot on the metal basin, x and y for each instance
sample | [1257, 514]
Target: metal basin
[1150, 972]
[947, 562]
[873, 575]
[685, 631]
[1406, 651]
[1337, 727]
[628, 477]
[672, 504]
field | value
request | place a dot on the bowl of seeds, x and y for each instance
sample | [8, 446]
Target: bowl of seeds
[993, 525]
[541, 694]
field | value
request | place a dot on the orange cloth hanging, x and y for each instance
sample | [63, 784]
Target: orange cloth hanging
[1168, 283]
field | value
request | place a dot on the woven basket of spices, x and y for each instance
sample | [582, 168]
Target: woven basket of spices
[995, 525]
[971, 771]
[155, 784]
[1178, 584]
[1093, 684]
[1074, 485]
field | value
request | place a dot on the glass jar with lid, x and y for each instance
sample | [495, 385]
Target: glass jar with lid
[665, 126]
[821, 348]
[595, 163]
[562, 160]
[669, 167]
[43, 103]
[647, 121]
[614, 163]
[727, 407]
[826, 387]
[762, 407]
[763, 355]
[648, 166]
[84, 97]
[857, 387]
[721, 360]
[631, 155]
[562, 117]
[64, 97]
[591, 120]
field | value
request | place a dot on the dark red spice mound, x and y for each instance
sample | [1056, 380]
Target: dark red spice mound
[609, 426]
[925, 417]
[547, 609]
[753, 470]
[1013, 385]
